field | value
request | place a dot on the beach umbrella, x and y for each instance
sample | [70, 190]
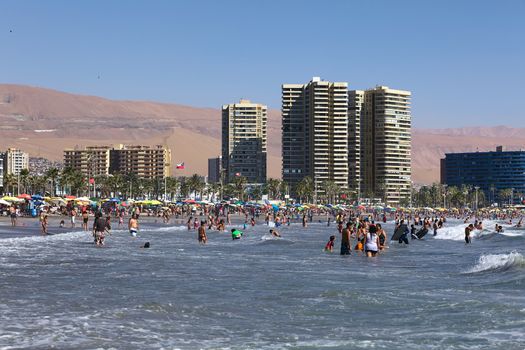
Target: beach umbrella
[3, 202]
[70, 197]
[24, 196]
[37, 197]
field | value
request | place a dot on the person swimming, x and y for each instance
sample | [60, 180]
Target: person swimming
[145, 245]
[236, 234]
[329, 247]
[275, 233]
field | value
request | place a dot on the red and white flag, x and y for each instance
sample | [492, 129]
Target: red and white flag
[180, 165]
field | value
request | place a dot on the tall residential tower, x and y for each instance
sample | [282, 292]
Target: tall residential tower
[244, 141]
[315, 132]
[386, 144]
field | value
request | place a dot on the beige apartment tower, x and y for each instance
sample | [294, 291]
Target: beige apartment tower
[244, 141]
[385, 143]
[315, 133]
[147, 162]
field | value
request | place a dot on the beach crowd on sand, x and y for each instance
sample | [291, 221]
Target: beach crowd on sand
[359, 229]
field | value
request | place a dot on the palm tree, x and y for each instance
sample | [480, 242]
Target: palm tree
[196, 184]
[273, 187]
[331, 189]
[10, 181]
[53, 174]
[24, 175]
[505, 194]
[305, 188]
[172, 186]
[213, 189]
[239, 182]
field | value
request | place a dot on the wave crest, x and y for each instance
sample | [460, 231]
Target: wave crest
[498, 262]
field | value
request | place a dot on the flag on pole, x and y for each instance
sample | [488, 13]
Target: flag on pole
[180, 165]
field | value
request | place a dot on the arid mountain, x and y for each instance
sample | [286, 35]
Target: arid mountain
[44, 122]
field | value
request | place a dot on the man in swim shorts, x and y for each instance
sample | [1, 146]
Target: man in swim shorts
[133, 225]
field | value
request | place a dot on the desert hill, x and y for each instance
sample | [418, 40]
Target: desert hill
[43, 122]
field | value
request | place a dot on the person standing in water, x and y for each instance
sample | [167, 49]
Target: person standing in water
[133, 225]
[468, 230]
[345, 239]
[202, 234]
[44, 225]
[372, 242]
[12, 214]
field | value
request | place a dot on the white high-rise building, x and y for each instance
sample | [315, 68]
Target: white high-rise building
[244, 141]
[386, 144]
[16, 160]
[315, 132]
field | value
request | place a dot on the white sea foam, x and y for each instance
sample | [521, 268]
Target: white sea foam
[491, 262]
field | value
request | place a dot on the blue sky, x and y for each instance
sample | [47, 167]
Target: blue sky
[464, 61]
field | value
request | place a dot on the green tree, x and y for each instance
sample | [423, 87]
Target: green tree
[24, 177]
[331, 189]
[53, 174]
[273, 186]
[305, 189]
[238, 183]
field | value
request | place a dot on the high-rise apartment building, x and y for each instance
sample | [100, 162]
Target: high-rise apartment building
[386, 144]
[15, 160]
[147, 162]
[315, 132]
[244, 141]
[214, 169]
[355, 109]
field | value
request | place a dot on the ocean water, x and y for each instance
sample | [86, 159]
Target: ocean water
[61, 292]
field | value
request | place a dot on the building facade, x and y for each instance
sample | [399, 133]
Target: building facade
[244, 141]
[2, 158]
[146, 162]
[91, 161]
[491, 171]
[315, 133]
[385, 134]
[214, 169]
[15, 161]
[355, 110]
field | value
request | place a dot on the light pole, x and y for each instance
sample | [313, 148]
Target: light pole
[476, 188]
[445, 196]
[512, 196]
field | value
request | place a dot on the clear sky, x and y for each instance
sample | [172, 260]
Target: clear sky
[464, 61]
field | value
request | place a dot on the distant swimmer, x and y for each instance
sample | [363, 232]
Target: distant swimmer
[499, 228]
[468, 230]
[237, 234]
[329, 247]
[519, 224]
[275, 233]
[133, 225]
[145, 245]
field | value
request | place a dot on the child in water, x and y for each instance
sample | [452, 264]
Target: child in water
[329, 247]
